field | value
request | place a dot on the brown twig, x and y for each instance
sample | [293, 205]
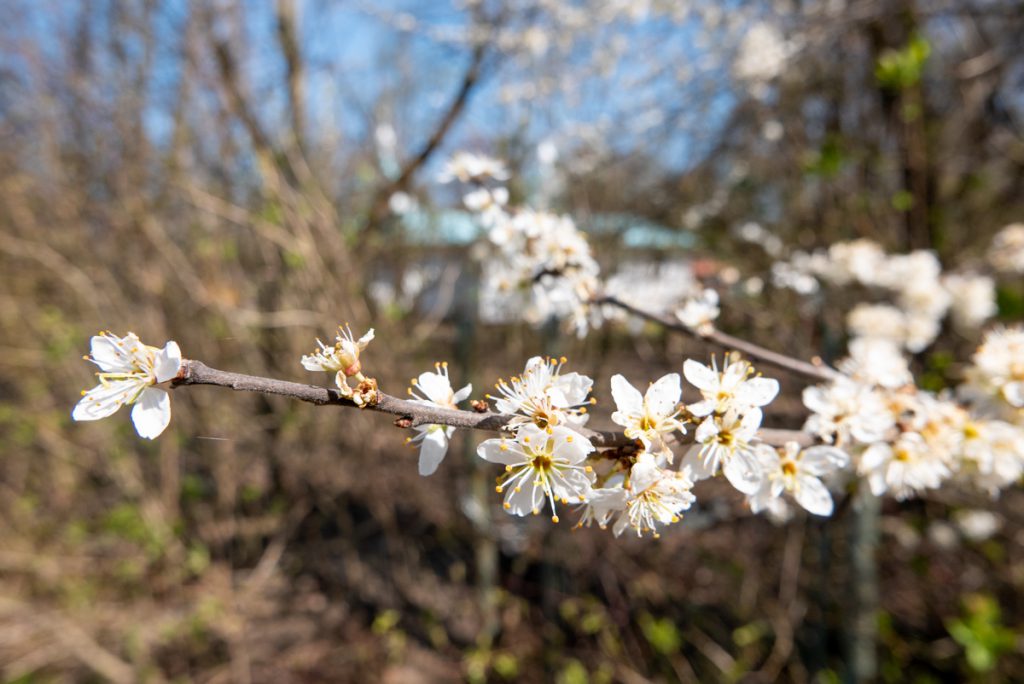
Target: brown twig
[409, 413]
[817, 370]
[379, 208]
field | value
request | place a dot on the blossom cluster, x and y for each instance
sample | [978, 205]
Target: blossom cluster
[550, 462]
[539, 266]
[904, 440]
[916, 295]
[869, 422]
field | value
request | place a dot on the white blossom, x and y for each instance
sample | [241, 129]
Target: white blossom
[762, 55]
[992, 454]
[489, 204]
[844, 409]
[798, 472]
[543, 396]
[604, 503]
[656, 496]
[650, 417]
[541, 466]
[903, 468]
[466, 166]
[699, 312]
[1007, 250]
[724, 441]
[434, 389]
[877, 320]
[999, 366]
[875, 361]
[128, 371]
[734, 387]
[973, 298]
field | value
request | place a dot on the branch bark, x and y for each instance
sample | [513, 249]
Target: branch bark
[379, 209]
[816, 370]
[409, 413]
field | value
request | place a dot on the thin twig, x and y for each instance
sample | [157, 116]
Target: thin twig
[409, 413]
[816, 370]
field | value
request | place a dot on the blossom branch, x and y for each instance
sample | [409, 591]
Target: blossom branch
[408, 413]
[816, 370]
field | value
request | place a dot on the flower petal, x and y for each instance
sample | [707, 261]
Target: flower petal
[109, 354]
[365, 339]
[699, 375]
[463, 394]
[436, 386]
[102, 400]
[491, 450]
[813, 496]
[627, 398]
[433, 449]
[822, 460]
[697, 465]
[662, 397]
[151, 413]
[757, 391]
[168, 362]
[743, 472]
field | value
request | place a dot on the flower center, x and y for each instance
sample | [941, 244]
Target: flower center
[541, 462]
[902, 455]
[647, 423]
[789, 469]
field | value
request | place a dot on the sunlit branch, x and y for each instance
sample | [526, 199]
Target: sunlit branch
[408, 413]
[816, 370]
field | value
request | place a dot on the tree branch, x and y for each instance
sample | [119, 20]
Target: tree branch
[409, 413]
[379, 208]
[816, 370]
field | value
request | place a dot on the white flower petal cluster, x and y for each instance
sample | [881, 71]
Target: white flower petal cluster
[992, 456]
[543, 396]
[129, 370]
[489, 204]
[726, 442]
[605, 502]
[469, 167]
[1007, 251]
[539, 266]
[434, 389]
[542, 467]
[737, 386]
[877, 361]
[699, 313]
[763, 54]
[973, 299]
[905, 440]
[997, 372]
[904, 468]
[655, 496]
[730, 416]
[798, 472]
[919, 294]
[655, 287]
[845, 411]
[650, 417]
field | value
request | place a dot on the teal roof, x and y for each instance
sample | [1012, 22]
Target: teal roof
[457, 227]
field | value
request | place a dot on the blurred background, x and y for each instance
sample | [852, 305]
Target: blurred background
[243, 176]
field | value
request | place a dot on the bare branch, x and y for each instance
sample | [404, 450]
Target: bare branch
[409, 413]
[816, 369]
[455, 108]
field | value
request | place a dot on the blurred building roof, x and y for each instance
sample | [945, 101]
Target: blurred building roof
[457, 227]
